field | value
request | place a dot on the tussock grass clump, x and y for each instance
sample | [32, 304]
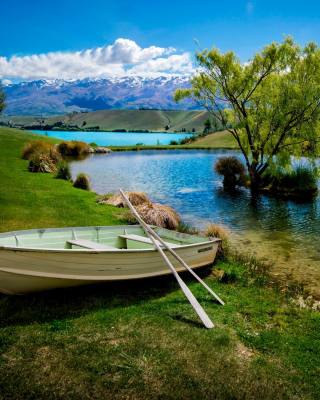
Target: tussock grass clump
[220, 232]
[184, 227]
[82, 182]
[159, 215]
[136, 199]
[63, 170]
[74, 148]
[231, 168]
[39, 148]
[41, 163]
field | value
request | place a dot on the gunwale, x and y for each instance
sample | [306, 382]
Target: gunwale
[89, 251]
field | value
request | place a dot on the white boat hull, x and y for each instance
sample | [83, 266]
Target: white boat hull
[26, 270]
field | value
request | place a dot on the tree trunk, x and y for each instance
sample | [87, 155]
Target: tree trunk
[254, 177]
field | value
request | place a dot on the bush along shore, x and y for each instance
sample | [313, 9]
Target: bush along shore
[300, 180]
[142, 339]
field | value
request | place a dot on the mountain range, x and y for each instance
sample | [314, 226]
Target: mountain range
[56, 96]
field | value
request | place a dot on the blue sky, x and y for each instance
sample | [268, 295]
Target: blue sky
[158, 34]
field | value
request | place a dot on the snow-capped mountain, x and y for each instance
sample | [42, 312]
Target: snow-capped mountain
[90, 94]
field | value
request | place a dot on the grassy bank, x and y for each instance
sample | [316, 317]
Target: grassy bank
[141, 339]
[39, 200]
[216, 140]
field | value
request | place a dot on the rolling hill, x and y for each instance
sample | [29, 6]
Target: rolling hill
[110, 120]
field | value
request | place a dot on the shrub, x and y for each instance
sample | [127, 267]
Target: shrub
[220, 232]
[65, 148]
[79, 147]
[41, 163]
[82, 182]
[38, 148]
[173, 143]
[93, 144]
[231, 168]
[302, 178]
[63, 170]
[74, 148]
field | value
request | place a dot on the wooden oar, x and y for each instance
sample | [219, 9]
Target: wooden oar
[150, 231]
[193, 301]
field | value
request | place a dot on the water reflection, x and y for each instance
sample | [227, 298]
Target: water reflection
[285, 230]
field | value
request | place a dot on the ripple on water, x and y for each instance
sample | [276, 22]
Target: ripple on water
[282, 230]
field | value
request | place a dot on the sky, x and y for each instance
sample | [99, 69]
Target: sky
[78, 39]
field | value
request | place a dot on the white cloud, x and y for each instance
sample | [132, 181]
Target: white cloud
[103, 61]
[6, 82]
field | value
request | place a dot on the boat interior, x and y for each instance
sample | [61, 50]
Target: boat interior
[110, 238]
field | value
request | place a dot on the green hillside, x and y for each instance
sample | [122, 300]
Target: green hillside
[151, 120]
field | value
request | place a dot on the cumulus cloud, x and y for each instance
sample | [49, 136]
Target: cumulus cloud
[114, 60]
[6, 81]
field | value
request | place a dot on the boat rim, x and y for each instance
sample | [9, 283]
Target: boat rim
[90, 251]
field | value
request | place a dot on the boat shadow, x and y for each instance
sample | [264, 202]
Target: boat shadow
[71, 303]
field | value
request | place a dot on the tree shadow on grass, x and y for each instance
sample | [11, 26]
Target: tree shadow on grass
[70, 303]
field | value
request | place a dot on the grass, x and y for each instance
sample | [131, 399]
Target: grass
[302, 178]
[39, 200]
[142, 339]
[216, 140]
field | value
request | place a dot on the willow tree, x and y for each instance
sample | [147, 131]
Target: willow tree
[269, 104]
[3, 96]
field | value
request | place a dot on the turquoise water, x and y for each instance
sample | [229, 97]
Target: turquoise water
[118, 138]
[280, 230]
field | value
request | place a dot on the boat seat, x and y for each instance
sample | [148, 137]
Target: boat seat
[143, 239]
[88, 244]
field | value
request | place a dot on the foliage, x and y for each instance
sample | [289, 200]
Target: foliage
[173, 143]
[184, 227]
[78, 148]
[73, 148]
[274, 100]
[231, 168]
[93, 144]
[64, 170]
[207, 125]
[40, 147]
[301, 178]
[41, 163]
[3, 96]
[220, 232]
[82, 182]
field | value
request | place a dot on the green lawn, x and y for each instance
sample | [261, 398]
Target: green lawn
[31, 200]
[142, 339]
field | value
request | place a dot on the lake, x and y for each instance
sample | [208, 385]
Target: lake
[280, 230]
[117, 138]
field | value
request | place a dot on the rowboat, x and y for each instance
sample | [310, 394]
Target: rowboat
[43, 259]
